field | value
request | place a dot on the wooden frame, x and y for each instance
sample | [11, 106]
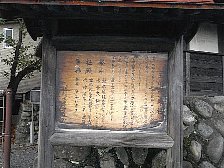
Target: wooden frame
[175, 105]
[172, 140]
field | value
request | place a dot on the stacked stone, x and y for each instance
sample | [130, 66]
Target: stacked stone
[36, 111]
[23, 126]
[203, 122]
[108, 157]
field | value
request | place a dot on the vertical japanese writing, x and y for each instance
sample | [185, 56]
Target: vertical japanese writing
[139, 74]
[152, 86]
[64, 100]
[101, 63]
[103, 87]
[112, 89]
[117, 91]
[132, 103]
[103, 109]
[89, 66]
[119, 69]
[146, 90]
[76, 94]
[125, 109]
[77, 66]
[97, 99]
[84, 99]
[90, 100]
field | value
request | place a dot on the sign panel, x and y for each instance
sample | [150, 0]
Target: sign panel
[111, 90]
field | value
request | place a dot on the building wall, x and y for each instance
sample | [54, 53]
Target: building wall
[27, 84]
[206, 39]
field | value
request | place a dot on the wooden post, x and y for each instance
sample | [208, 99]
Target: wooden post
[221, 49]
[47, 108]
[188, 74]
[175, 105]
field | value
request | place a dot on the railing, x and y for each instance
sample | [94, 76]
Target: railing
[203, 73]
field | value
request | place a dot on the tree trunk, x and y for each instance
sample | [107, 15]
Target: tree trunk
[13, 84]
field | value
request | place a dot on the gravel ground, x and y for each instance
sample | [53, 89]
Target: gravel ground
[22, 156]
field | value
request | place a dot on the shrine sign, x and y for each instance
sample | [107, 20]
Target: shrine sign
[111, 90]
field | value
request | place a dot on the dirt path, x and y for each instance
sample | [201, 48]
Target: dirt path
[22, 156]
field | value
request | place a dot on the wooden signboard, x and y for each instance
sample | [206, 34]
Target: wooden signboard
[119, 99]
[111, 90]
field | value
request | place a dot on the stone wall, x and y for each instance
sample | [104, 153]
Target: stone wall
[203, 123]
[110, 157]
[22, 134]
[203, 119]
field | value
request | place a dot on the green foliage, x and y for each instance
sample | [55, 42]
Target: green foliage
[26, 56]
[2, 21]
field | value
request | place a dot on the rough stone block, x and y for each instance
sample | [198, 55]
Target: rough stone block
[26, 106]
[195, 149]
[188, 130]
[219, 125]
[26, 114]
[159, 161]
[206, 164]
[73, 153]
[107, 161]
[204, 130]
[188, 116]
[187, 164]
[139, 155]
[60, 163]
[122, 156]
[203, 108]
[215, 149]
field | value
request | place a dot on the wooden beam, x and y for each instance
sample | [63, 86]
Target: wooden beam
[84, 9]
[175, 105]
[138, 4]
[109, 138]
[47, 112]
[113, 43]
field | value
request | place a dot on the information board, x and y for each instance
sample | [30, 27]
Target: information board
[111, 90]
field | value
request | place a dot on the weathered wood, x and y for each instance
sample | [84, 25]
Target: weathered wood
[206, 73]
[202, 53]
[111, 138]
[221, 47]
[113, 43]
[197, 4]
[175, 71]
[203, 71]
[206, 92]
[47, 109]
[111, 90]
[187, 74]
[206, 64]
[197, 86]
[206, 79]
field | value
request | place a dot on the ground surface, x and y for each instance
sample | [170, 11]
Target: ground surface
[22, 156]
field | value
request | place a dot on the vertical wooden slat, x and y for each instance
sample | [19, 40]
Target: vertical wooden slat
[175, 105]
[221, 48]
[47, 110]
[188, 74]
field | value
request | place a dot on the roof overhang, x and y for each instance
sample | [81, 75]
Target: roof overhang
[166, 11]
[180, 4]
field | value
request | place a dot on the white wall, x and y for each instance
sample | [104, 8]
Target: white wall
[206, 39]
